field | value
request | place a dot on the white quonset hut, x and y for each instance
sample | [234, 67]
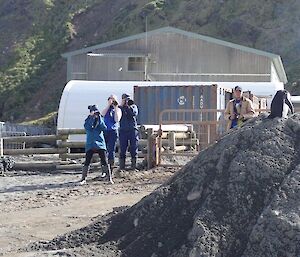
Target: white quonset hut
[170, 54]
[78, 94]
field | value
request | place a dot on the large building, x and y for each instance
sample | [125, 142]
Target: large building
[170, 54]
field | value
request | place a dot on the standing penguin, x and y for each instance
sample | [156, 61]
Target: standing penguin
[281, 104]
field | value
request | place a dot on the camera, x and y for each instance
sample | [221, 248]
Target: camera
[114, 102]
[129, 101]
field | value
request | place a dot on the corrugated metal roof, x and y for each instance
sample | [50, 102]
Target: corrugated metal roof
[275, 58]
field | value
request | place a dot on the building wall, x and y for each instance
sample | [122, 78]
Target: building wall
[176, 57]
[110, 68]
[77, 65]
[274, 75]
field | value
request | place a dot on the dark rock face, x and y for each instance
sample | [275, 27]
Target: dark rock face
[239, 197]
[277, 231]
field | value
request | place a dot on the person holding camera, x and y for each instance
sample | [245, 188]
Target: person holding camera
[94, 126]
[239, 109]
[112, 115]
[128, 131]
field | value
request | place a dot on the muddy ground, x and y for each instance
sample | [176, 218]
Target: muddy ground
[39, 205]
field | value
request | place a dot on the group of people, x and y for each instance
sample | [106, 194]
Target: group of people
[103, 129]
[119, 121]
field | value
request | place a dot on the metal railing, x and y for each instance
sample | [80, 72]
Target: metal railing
[208, 126]
[13, 145]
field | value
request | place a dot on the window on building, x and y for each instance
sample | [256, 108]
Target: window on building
[136, 63]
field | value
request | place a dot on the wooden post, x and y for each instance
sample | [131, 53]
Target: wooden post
[159, 143]
[157, 151]
[194, 136]
[150, 148]
[208, 134]
[61, 145]
[172, 140]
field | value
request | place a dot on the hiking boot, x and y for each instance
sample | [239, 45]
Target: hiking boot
[121, 164]
[106, 169]
[85, 170]
[82, 182]
[133, 164]
[103, 172]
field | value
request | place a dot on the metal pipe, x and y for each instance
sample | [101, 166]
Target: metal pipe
[1, 147]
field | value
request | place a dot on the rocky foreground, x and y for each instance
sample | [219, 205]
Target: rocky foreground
[239, 197]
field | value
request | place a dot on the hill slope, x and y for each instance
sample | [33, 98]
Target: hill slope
[33, 74]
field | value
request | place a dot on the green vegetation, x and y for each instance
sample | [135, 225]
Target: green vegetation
[35, 54]
[37, 32]
[48, 120]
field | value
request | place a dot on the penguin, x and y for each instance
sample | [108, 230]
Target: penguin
[281, 104]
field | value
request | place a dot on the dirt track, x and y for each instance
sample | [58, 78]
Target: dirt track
[41, 205]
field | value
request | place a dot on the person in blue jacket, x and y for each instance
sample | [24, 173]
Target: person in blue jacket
[94, 126]
[112, 115]
[128, 131]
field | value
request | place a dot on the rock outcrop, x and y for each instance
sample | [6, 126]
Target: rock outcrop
[239, 197]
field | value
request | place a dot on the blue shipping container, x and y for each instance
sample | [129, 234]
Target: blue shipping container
[152, 100]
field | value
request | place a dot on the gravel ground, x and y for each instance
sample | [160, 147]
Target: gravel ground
[39, 205]
[238, 197]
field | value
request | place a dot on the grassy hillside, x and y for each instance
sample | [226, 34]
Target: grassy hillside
[37, 32]
[33, 74]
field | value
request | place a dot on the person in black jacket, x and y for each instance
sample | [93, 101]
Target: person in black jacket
[128, 131]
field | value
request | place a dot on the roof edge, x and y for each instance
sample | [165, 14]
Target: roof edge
[280, 69]
[174, 30]
[114, 42]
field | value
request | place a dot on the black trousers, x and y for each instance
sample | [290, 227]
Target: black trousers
[89, 155]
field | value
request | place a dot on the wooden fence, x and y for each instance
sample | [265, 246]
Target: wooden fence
[155, 141]
[179, 138]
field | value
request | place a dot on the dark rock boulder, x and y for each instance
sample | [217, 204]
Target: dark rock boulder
[239, 197]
